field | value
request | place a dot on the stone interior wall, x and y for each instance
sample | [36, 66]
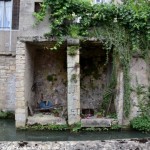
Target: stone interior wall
[50, 76]
[29, 73]
[7, 82]
[94, 77]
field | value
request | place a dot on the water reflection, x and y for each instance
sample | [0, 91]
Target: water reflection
[9, 133]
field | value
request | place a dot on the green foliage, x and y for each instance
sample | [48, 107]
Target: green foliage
[6, 115]
[115, 127]
[112, 115]
[141, 123]
[76, 127]
[90, 129]
[51, 78]
[72, 50]
[143, 95]
[132, 15]
[74, 31]
[74, 78]
[47, 127]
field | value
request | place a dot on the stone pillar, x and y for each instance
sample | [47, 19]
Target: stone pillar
[119, 97]
[73, 71]
[21, 105]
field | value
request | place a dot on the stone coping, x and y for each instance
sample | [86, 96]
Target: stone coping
[42, 39]
[124, 144]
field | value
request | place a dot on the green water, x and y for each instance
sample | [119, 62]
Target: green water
[9, 133]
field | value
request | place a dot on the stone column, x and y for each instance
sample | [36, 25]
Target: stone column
[119, 97]
[73, 71]
[21, 105]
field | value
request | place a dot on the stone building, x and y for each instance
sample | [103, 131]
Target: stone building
[28, 69]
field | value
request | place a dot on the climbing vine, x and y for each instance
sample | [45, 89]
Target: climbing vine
[123, 29]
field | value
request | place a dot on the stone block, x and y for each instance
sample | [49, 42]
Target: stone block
[73, 61]
[73, 89]
[72, 42]
[73, 118]
[96, 122]
[45, 119]
[20, 124]
[20, 117]
[21, 110]
[19, 94]
[19, 83]
[20, 99]
[13, 68]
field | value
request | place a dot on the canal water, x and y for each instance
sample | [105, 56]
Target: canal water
[9, 133]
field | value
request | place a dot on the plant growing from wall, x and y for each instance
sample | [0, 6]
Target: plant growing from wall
[72, 50]
[142, 122]
[123, 29]
[52, 78]
[74, 78]
[6, 115]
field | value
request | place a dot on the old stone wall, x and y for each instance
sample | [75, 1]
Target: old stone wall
[139, 73]
[8, 42]
[7, 82]
[50, 76]
[27, 20]
[94, 77]
[29, 73]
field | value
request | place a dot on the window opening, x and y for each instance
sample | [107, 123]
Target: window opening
[9, 17]
[5, 14]
[37, 6]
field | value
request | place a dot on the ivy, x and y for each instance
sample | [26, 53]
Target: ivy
[123, 29]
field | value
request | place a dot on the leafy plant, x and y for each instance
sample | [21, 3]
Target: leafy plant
[141, 123]
[74, 78]
[100, 114]
[5, 115]
[51, 78]
[112, 115]
[74, 31]
[115, 127]
[76, 127]
[46, 127]
[72, 50]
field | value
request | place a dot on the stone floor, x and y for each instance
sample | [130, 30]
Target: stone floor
[44, 119]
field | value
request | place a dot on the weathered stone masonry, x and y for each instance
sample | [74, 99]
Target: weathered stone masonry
[7, 82]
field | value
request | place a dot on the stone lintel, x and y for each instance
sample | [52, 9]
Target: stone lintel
[73, 42]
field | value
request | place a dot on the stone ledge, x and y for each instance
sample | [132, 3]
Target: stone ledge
[96, 122]
[7, 53]
[45, 119]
